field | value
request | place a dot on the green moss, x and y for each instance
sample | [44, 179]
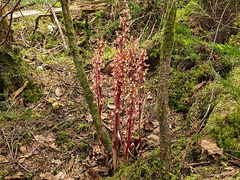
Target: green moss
[83, 146]
[3, 173]
[32, 93]
[224, 126]
[138, 170]
[182, 86]
[14, 71]
[63, 137]
[83, 127]
[223, 123]
[70, 145]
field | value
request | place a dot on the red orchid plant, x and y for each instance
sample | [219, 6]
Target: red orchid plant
[129, 69]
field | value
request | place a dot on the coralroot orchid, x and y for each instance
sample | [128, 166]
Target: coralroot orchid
[98, 80]
[129, 70]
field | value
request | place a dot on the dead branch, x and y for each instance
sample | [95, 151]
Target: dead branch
[10, 11]
[208, 109]
[85, 6]
[199, 164]
[59, 27]
[185, 153]
[19, 90]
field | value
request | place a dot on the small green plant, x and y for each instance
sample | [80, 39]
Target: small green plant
[83, 146]
[3, 173]
[29, 176]
[83, 127]
[33, 93]
[63, 137]
[70, 145]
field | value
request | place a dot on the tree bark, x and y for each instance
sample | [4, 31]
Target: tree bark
[162, 98]
[77, 58]
[13, 70]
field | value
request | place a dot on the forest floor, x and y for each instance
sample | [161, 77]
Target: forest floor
[54, 137]
[49, 134]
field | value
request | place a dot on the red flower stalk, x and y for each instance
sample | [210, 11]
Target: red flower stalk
[98, 80]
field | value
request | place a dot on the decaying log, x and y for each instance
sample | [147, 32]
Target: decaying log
[85, 6]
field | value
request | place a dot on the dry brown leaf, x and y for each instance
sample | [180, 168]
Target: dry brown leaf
[60, 176]
[53, 146]
[70, 163]
[198, 86]
[103, 170]
[40, 138]
[59, 91]
[210, 147]
[153, 140]
[3, 159]
[148, 126]
[104, 116]
[17, 175]
[93, 175]
[50, 137]
[47, 176]
[111, 106]
[68, 178]
[57, 161]
[26, 148]
[46, 142]
[89, 118]
[149, 97]
[155, 124]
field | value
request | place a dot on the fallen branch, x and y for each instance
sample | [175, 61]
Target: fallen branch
[86, 6]
[208, 109]
[185, 153]
[199, 164]
[59, 27]
[18, 91]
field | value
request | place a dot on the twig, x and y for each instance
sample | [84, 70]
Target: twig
[208, 109]
[10, 151]
[232, 156]
[145, 26]
[215, 38]
[57, 166]
[152, 30]
[63, 122]
[5, 5]
[19, 90]
[25, 6]
[59, 27]
[24, 167]
[185, 153]
[10, 11]
[198, 164]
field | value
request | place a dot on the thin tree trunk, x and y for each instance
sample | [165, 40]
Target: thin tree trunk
[162, 99]
[13, 70]
[77, 58]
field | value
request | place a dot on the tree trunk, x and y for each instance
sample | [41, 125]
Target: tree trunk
[77, 58]
[13, 70]
[162, 99]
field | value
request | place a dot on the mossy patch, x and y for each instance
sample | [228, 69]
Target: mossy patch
[223, 123]
[32, 93]
[138, 170]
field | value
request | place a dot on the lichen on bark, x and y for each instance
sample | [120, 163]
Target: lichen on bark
[162, 99]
